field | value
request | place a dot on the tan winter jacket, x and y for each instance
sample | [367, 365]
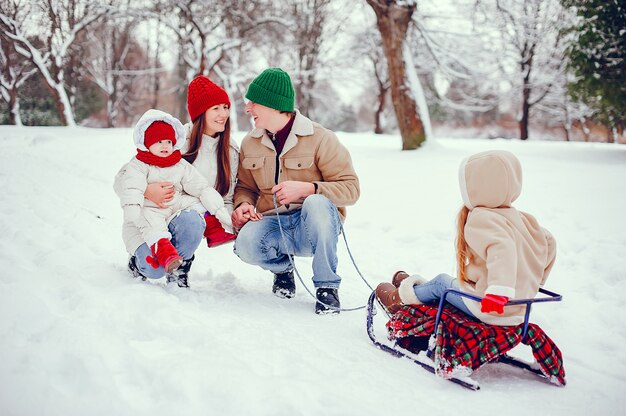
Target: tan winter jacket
[510, 253]
[311, 153]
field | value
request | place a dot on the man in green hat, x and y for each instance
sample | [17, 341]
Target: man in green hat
[309, 173]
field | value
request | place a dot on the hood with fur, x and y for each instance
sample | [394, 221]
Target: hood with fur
[150, 117]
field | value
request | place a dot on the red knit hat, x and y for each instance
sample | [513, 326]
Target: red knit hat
[203, 94]
[159, 130]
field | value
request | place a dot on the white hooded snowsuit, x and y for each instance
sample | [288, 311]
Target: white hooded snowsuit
[144, 221]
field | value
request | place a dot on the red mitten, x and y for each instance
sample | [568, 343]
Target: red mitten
[212, 224]
[493, 303]
[214, 232]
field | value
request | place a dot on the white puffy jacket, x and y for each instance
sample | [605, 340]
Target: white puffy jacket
[190, 185]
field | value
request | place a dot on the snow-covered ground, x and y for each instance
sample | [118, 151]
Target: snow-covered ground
[78, 336]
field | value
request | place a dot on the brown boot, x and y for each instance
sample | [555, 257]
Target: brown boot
[398, 277]
[387, 295]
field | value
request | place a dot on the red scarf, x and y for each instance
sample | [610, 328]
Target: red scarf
[162, 162]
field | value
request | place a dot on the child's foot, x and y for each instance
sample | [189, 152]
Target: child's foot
[164, 254]
[387, 295]
[398, 277]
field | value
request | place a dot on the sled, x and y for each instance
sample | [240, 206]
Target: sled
[436, 339]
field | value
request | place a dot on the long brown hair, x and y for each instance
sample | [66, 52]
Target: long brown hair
[462, 254]
[222, 182]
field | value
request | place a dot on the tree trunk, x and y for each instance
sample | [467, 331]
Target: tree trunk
[526, 66]
[61, 103]
[393, 22]
[523, 123]
[182, 88]
[610, 137]
[14, 108]
[382, 98]
[567, 125]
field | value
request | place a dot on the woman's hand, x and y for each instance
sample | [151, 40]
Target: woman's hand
[244, 213]
[160, 193]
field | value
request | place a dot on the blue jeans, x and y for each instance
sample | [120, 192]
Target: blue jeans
[432, 291]
[187, 230]
[311, 231]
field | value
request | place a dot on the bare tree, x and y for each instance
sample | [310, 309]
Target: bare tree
[393, 18]
[56, 23]
[107, 63]
[215, 39]
[366, 46]
[310, 17]
[251, 23]
[532, 49]
[14, 71]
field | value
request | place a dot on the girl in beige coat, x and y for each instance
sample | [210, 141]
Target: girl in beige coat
[502, 253]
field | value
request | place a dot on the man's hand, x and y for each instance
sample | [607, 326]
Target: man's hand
[160, 193]
[244, 213]
[292, 191]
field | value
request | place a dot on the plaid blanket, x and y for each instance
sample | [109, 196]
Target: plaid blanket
[464, 344]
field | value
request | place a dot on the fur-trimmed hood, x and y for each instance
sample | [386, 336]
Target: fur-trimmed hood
[150, 117]
[491, 179]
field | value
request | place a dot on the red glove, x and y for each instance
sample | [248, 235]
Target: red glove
[493, 303]
[214, 232]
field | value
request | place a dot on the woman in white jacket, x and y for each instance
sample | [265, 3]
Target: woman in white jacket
[209, 149]
[162, 236]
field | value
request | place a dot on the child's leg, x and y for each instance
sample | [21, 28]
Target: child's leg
[432, 291]
[153, 224]
[146, 270]
[187, 230]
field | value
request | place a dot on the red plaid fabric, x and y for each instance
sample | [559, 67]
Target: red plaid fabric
[465, 344]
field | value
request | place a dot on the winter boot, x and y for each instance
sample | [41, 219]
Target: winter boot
[398, 277]
[387, 295]
[327, 301]
[284, 285]
[180, 276]
[164, 254]
[215, 233]
[134, 270]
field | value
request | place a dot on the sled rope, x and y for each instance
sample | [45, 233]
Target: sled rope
[293, 264]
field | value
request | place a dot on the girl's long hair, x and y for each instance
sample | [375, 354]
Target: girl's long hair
[222, 182]
[462, 253]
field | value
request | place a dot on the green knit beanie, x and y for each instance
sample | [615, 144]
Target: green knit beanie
[273, 89]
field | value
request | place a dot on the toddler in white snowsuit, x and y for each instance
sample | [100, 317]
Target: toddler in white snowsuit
[159, 137]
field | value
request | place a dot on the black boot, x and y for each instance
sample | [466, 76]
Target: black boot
[284, 285]
[327, 301]
[181, 275]
[134, 270]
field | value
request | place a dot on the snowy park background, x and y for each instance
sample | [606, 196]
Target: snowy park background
[78, 336]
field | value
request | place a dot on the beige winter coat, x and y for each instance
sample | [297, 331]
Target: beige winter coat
[510, 253]
[311, 153]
